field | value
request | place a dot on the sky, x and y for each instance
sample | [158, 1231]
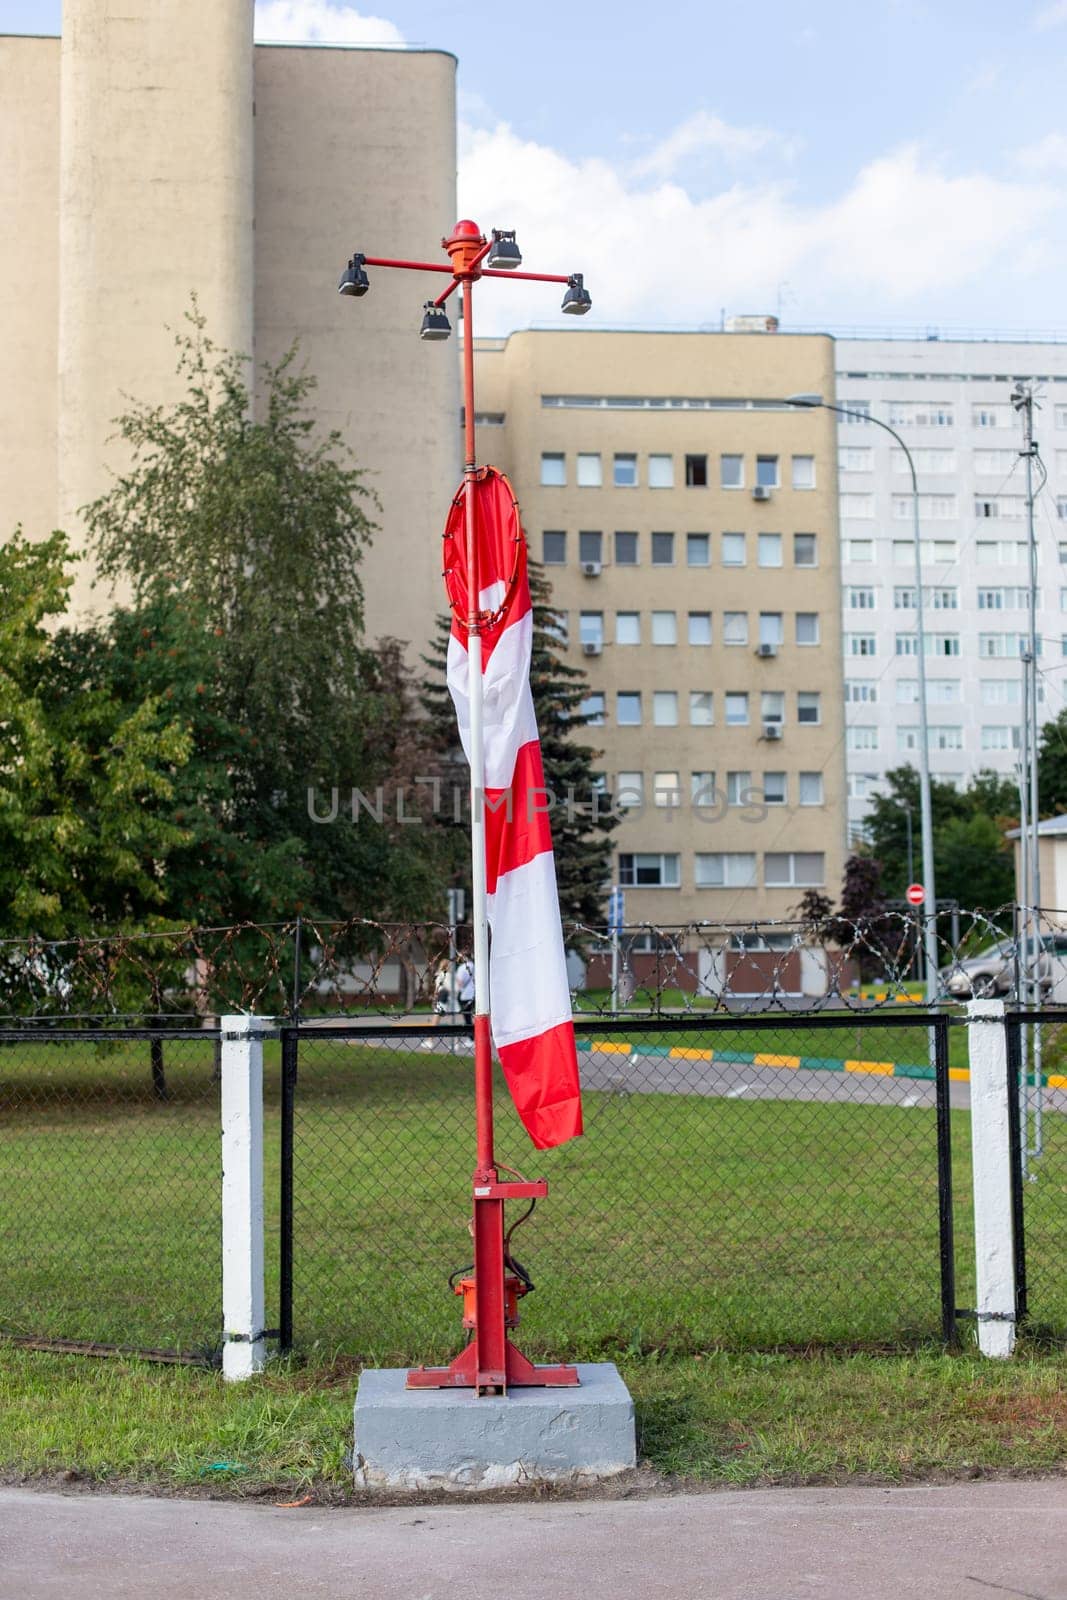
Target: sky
[896, 163]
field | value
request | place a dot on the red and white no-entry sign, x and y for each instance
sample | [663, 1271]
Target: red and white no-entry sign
[915, 894]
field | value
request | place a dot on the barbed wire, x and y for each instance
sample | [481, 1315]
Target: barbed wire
[306, 969]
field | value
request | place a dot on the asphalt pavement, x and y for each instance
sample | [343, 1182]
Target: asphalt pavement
[971, 1541]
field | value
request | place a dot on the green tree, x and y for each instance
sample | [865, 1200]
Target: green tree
[1052, 766]
[581, 842]
[979, 812]
[87, 777]
[238, 532]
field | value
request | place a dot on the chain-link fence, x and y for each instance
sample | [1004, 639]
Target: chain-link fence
[109, 1168]
[745, 1182]
[1037, 1045]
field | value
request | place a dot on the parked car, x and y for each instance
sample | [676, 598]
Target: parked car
[992, 971]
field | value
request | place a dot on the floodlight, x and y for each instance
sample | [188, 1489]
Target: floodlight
[504, 253]
[435, 323]
[576, 301]
[354, 279]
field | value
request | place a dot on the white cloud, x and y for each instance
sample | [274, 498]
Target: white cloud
[321, 22]
[902, 234]
[1052, 16]
[701, 134]
[1045, 155]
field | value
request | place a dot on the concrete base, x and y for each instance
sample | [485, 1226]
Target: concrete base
[449, 1439]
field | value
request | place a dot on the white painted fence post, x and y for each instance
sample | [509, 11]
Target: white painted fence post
[994, 1239]
[243, 1301]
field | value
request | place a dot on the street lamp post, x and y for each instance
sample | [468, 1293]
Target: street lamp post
[490, 1362]
[925, 810]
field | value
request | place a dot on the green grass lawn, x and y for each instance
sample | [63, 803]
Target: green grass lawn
[720, 1418]
[679, 1223]
[765, 1272]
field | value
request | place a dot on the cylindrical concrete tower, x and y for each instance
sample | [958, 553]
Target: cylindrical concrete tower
[155, 201]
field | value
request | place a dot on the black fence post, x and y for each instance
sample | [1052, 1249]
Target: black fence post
[290, 1051]
[155, 1050]
[944, 1182]
[1015, 1134]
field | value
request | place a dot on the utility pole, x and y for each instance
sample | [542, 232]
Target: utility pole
[1022, 398]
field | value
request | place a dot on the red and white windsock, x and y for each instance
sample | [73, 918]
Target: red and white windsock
[530, 995]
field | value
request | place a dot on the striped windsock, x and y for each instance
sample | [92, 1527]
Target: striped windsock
[529, 992]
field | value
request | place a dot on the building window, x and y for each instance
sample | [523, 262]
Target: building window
[701, 708]
[803, 472]
[861, 691]
[664, 627]
[934, 462]
[699, 627]
[1061, 507]
[1001, 552]
[855, 458]
[994, 463]
[737, 710]
[808, 706]
[857, 550]
[592, 710]
[589, 473]
[859, 597]
[807, 627]
[1001, 692]
[772, 706]
[627, 627]
[665, 789]
[767, 472]
[786, 869]
[698, 549]
[907, 644]
[724, 869]
[630, 791]
[1001, 738]
[628, 709]
[770, 628]
[590, 546]
[641, 870]
[554, 549]
[625, 471]
[941, 552]
[733, 550]
[702, 788]
[810, 788]
[946, 738]
[990, 416]
[665, 708]
[907, 740]
[696, 472]
[857, 411]
[739, 789]
[907, 691]
[861, 737]
[804, 550]
[731, 472]
[774, 789]
[943, 691]
[856, 505]
[769, 549]
[591, 628]
[553, 469]
[661, 472]
[921, 414]
[626, 549]
[860, 644]
[663, 549]
[735, 627]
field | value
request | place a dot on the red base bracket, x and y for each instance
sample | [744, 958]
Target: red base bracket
[519, 1373]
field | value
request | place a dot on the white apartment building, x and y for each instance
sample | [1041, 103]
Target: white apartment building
[950, 401]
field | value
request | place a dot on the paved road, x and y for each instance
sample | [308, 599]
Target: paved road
[979, 1541]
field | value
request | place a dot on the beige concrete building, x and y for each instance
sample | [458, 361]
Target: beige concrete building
[154, 152]
[688, 523]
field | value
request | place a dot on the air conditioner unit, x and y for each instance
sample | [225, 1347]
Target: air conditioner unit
[766, 650]
[761, 493]
[591, 649]
[772, 730]
[590, 569]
